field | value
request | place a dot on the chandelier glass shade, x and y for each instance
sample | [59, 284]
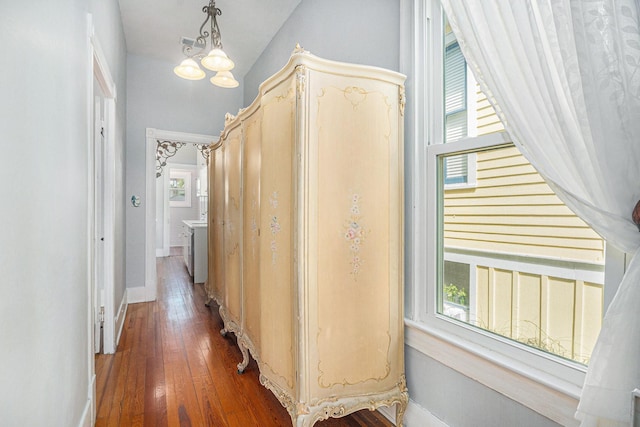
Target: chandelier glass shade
[189, 69]
[224, 79]
[216, 60]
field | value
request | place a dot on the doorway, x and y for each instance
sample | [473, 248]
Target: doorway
[103, 137]
[101, 106]
[148, 292]
[181, 194]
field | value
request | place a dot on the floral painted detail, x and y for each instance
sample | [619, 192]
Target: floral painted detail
[273, 200]
[355, 235]
[275, 225]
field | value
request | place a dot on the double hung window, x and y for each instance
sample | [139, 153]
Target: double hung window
[511, 266]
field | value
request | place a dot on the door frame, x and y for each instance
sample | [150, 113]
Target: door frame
[103, 76]
[98, 69]
[98, 228]
[149, 291]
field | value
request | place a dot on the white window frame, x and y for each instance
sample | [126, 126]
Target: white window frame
[544, 383]
[185, 175]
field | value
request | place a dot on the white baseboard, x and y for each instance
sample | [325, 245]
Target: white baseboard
[139, 294]
[389, 412]
[415, 416]
[159, 253]
[86, 419]
[120, 316]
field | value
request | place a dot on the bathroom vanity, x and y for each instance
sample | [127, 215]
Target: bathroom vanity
[195, 248]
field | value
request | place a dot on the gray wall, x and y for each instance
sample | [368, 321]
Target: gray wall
[460, 401]
[369, 32]
[356, 31]
[157, 98]
[44, 304]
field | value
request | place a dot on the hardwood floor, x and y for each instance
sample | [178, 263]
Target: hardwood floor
[173, 368]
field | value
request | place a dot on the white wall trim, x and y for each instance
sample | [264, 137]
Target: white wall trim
[550, 396]
[87, 419]
[109, 179]
[138, 294]
[415, 416]
[194, 138]
[166, 214]
[150, 281]
[389, 412]
[100, 63]
[120, 316]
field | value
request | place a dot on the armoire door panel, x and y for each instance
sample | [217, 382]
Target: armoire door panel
[216, 212]
[252, 292]
[233, 225]
[353, 127]
[276, 250]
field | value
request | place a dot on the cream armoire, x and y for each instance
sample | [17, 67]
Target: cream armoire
[306, 237]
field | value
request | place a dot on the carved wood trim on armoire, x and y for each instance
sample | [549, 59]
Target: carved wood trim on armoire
[306, 236]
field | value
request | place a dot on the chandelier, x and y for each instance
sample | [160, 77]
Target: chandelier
[215, 60]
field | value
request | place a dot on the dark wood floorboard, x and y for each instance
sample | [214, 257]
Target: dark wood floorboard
[173, 368]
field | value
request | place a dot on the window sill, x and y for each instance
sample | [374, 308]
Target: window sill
[548, 395]
[461, 186]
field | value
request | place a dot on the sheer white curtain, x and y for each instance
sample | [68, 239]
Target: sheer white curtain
[564, 76]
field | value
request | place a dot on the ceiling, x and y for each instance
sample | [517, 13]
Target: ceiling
[153, 28]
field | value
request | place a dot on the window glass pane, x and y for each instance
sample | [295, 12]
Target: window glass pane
[176, 183]
[177, 195]
[515, 261]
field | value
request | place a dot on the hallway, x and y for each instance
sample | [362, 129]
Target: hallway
[173, 368]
